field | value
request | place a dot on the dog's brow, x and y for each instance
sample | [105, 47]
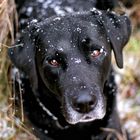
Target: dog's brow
[63, 45]
[94, 42]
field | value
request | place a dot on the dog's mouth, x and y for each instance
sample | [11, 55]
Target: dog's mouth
[97, 113]
[83, 118]
[86, 118]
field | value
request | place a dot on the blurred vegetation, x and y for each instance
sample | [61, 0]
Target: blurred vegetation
[134, 44]
[8, 20]
[129, 77]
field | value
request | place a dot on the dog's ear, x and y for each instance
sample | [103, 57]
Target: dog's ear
[22, 53]
[118, 29]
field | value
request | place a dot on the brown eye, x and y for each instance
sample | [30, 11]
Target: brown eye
[54, 63]
[95, 53]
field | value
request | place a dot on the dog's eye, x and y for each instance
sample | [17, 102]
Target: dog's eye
[95, 53]
[54, 62]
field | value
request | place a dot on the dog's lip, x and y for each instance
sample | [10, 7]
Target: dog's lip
[83, 120]
[86, 118]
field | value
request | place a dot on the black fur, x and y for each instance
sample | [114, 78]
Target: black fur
[65, 68]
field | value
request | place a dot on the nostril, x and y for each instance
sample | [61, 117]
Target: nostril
[91, 103]
[78, 106]
[84, 103]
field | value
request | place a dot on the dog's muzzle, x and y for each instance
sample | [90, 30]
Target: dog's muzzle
[84, 108]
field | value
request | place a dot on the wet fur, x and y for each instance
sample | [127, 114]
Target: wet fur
[69, 38]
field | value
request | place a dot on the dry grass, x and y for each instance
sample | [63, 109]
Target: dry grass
[7, 15]
[8, 23]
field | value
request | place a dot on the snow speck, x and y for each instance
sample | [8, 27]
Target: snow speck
[30, 60]
[60, 49]
[42, 31]
[83, 87]
[101, 50]
[108, 40]
[46, 131]
[77, 60]
[57, 18]
[119, 20]
[84, 40]
[37, 30]
[11, 52]
[118, 38]
[58, 10]
[29, 10]
[113, 12]
[93, 25]
[69, 9]
[94, 10]
[74, 78]
[34, 21]
[40, 1]
[79, 30]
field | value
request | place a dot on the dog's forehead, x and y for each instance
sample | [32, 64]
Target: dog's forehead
[63, 32]
[71, 24]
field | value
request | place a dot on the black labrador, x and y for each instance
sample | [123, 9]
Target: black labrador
[65, 69]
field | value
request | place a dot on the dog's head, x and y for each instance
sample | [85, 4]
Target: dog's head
[72, 56]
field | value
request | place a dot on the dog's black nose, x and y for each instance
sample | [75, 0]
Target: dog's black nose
[84, 103]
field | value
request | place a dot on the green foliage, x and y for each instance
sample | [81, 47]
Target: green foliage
[134, 45]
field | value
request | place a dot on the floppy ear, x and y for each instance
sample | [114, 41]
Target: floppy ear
[118, 30]
[23, 54]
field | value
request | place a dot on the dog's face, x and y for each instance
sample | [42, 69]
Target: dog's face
[74, 64]
[72, 55]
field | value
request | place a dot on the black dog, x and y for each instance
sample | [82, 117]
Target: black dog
[65, 68]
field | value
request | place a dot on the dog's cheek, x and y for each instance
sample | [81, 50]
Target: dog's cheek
[106, 68]
[103, 67]
[49, 77]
